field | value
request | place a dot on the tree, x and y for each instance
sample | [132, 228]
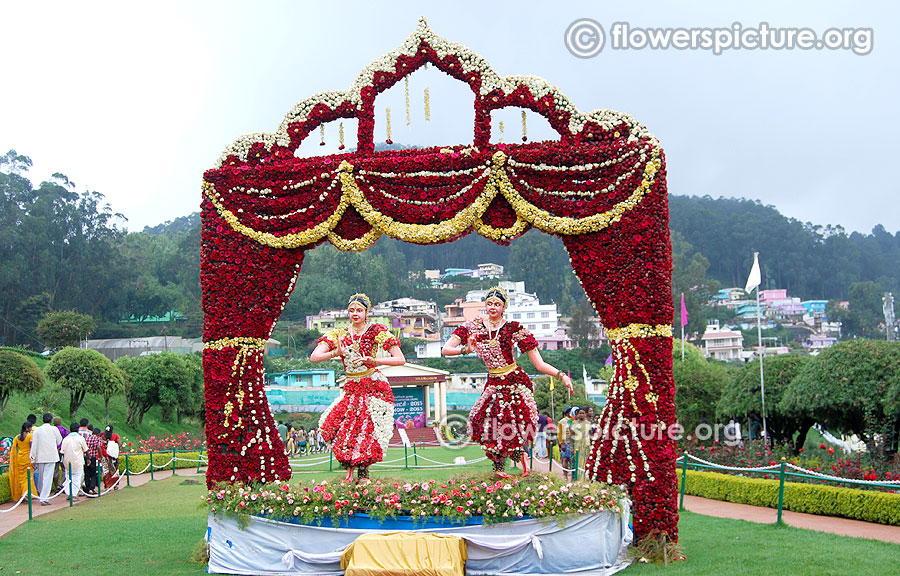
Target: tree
[698, 384]
[18, 373]
[82, 372]
[65, 328]
[744, 397]
[28, 314]
[166, 380]
[864, 317]
[851, 387]
[582, 328]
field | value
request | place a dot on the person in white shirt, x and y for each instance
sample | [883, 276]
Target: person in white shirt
[45, 443]
[74, 447]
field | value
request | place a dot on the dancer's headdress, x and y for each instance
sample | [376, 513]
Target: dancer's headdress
[360, 298]
[498, 293]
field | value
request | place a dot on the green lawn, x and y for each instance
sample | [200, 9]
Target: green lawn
[155, 528]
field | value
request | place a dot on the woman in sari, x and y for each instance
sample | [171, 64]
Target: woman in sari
[20, 463]
[505, 418]
[359, 424]
[110, 454]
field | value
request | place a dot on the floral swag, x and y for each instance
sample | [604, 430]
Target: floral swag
[601, 188]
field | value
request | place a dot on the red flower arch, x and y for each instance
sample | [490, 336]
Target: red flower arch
[601, 188]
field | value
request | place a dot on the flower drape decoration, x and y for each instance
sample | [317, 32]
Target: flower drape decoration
[600, 187]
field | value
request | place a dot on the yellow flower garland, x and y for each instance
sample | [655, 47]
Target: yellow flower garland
[527, 214]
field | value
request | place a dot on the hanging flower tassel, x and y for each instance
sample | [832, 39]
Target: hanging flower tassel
[321, 134]
[341, 135]
[406, 90]
[427, 107]
[524, 128]
[387, 112]
[501, 131]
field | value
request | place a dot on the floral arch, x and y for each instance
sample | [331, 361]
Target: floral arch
[601, 188]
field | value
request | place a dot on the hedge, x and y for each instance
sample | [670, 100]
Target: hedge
[137, 462]
[865, 505]
[5, 490]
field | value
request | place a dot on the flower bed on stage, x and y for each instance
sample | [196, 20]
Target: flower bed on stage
[453, 501]
[538, 525]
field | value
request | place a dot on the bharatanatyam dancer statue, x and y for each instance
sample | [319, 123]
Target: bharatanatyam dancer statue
[505, 418]
[359, 424]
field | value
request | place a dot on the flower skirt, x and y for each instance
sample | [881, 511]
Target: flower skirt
[360, 423]
[504, 419]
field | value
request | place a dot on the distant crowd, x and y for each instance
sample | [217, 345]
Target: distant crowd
[571, 435]
[49, 452]
[299, 442]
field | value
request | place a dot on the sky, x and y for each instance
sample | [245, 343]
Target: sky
[137, 100]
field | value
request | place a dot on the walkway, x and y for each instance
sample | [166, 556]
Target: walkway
[10, 520]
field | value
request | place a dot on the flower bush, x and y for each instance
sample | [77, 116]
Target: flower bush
[182, 441]
[493, 500]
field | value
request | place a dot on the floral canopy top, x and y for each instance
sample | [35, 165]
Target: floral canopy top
[357, 347]
[496, 347]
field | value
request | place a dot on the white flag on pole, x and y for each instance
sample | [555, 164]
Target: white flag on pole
[754, 279]
[587, 381]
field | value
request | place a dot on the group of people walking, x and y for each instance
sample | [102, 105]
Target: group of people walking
[48, 453]
[299, 442]
[359, 424]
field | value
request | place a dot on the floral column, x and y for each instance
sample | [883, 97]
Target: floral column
[626, 273]
[245, 286]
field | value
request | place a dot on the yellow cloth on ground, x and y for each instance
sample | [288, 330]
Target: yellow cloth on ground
[405, 554]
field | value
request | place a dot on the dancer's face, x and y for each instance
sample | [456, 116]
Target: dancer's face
[358, 314]
[494, 308]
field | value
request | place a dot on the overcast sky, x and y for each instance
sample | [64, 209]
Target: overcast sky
[136, 100]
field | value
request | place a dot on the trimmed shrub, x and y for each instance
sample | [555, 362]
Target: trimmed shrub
[161, 461]
[5, 491]
[865, 505]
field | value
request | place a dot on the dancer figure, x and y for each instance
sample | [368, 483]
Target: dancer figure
[505, 418]
[359, 424]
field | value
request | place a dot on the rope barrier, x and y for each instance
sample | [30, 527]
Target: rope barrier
[807, 471]
[732, 468]
[847, 480]
[16, 505]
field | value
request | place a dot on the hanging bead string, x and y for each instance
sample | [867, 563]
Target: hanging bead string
[501, 131]
[341, 135]
[524, 128]
[321, 134]
[427, 106]
[406, 93]
[387, 112]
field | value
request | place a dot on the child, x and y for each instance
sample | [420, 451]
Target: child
[565, 458]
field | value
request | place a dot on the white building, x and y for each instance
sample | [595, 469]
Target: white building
[722, 344]
[542, 320]
[401, 305]
[490, 270]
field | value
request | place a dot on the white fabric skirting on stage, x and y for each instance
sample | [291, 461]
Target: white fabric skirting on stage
[588, 545]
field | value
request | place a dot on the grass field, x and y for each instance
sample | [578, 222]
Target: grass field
[155, 529]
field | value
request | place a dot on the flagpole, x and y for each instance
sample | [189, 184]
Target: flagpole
[682, 342]
[762, 352]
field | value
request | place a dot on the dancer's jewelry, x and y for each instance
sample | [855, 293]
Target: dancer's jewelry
[493, 338]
